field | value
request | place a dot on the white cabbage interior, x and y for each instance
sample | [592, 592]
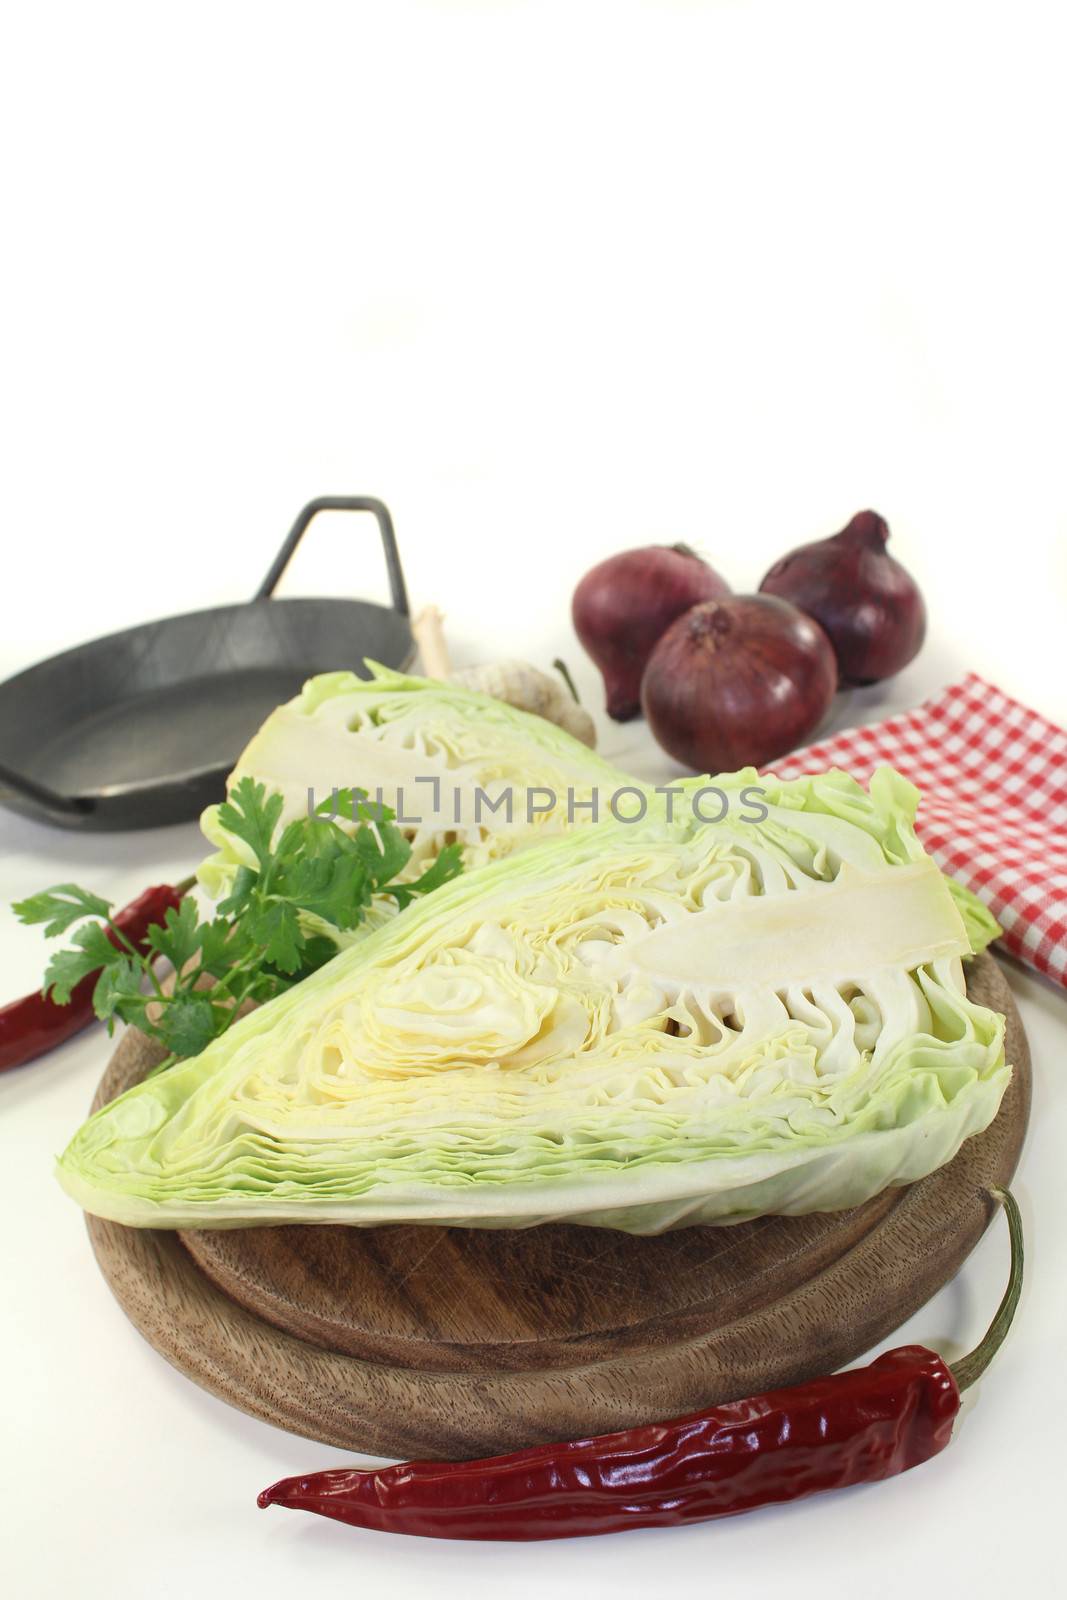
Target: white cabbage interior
[633, 1027]
[491, 1014]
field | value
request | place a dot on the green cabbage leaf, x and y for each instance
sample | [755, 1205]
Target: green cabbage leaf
[982, 926]
[634, 1026]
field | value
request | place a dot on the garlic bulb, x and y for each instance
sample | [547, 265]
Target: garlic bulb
[517, 683]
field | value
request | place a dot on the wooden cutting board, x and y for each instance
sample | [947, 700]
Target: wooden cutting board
[439, 1342]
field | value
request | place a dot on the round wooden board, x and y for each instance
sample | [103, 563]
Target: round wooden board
[451, 1342]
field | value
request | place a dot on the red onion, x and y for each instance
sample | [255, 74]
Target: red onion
[738, 682]
[624, 605]
[868, 604]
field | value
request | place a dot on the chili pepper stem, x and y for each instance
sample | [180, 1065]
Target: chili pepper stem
[971, 1367]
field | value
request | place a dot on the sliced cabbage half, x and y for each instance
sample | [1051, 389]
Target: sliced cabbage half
[631, 1026]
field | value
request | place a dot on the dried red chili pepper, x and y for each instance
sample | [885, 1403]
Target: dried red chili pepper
[34, 1024]
[854, 1427]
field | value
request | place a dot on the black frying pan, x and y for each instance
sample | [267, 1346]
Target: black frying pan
[141, 728]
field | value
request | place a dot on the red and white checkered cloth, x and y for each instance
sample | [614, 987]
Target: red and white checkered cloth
[993, 776]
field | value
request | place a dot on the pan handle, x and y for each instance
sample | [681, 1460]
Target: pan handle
[41, 795]
[342, 502]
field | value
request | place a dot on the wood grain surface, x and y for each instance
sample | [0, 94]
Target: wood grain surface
[438, 1342]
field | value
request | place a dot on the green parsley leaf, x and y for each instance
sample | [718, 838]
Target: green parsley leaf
[241, 892]
[188, 1024]
[385, 851]
[59, 907]
[448, 865]
[180, 938]
[328, 880]
[64, 972]
[222, 945]
[352, 805]
[119, 992]
[92, 950]
[273, 927]
[317, 951]
[253, 817]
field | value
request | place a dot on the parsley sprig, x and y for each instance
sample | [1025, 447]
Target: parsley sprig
[268, 933]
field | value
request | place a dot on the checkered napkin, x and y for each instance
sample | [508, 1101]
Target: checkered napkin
[993, 776]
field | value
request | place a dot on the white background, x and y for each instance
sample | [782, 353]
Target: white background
[553, 279]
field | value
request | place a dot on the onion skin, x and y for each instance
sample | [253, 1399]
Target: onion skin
[623, 607]
[738, 682]
[864, 599]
